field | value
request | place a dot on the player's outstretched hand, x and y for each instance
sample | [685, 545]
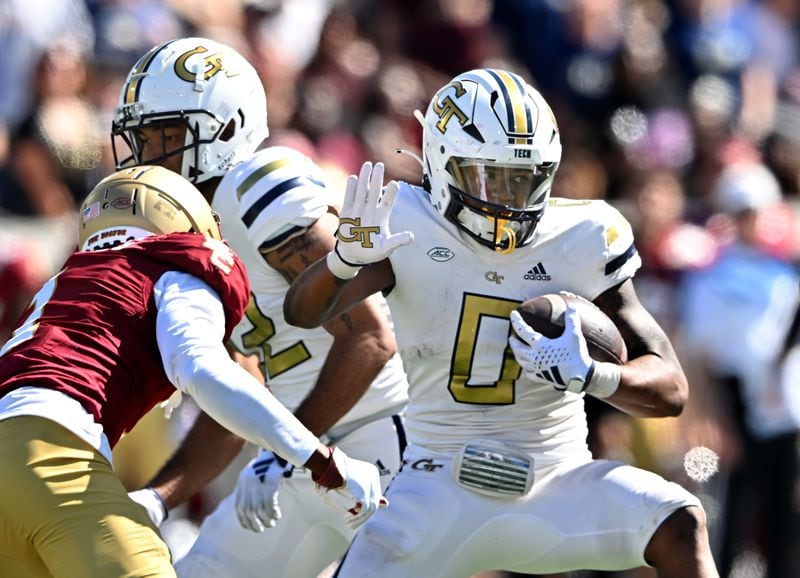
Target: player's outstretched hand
[363, 236]
[357, 482]
[256, 494]
[563, 361]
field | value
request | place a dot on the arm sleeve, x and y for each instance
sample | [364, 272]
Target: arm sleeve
[189, 330]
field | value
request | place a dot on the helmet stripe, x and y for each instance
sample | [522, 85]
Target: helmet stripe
[514, 96]
[522, 113]
[137, 74]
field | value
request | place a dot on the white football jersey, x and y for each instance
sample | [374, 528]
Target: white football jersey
[263, 201]
[451, 306]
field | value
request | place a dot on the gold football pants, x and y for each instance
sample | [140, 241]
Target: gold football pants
[63, 512]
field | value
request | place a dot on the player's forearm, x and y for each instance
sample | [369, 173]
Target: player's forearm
[205, 452]
[651, 387]
[313, 297]
[351, 366]
[241, 404]
[196, 362]
[653, 383]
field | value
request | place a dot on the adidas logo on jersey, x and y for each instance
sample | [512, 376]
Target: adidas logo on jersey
[537, 273]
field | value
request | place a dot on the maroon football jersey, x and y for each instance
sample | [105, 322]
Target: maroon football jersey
[23, 268]
[91, 330]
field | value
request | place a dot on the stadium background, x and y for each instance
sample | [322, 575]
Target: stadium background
[653, 97]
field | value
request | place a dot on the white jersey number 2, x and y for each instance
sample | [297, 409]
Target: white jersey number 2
[257, 339]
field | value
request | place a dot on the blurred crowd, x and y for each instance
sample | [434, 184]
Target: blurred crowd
[683, 113]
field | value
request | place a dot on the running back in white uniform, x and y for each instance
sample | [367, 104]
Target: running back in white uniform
[464, 379]
[263, 201]
[470, 405]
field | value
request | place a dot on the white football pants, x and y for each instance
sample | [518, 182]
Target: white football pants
[579, 515]
[311, 532]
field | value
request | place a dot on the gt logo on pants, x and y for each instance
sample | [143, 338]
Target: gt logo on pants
[426, 465]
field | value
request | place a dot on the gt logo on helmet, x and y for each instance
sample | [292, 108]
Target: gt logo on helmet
[447, 108]
[213, 65]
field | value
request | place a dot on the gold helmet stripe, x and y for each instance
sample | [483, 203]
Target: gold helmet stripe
[516, 101]
[137, 74]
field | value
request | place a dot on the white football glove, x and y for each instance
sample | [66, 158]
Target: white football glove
[363, 236]
[361, 489]
[151, 501]
[563, 361]
[256, 494]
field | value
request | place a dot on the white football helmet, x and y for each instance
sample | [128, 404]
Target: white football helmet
[205, 85]
[136, 202]
[491, 148]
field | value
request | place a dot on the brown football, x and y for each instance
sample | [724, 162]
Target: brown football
[546, 315]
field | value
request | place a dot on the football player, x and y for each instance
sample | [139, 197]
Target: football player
[198, 107]
[497, 473]
[139, 313]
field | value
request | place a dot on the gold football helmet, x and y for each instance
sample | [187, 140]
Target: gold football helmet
[140, 201]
